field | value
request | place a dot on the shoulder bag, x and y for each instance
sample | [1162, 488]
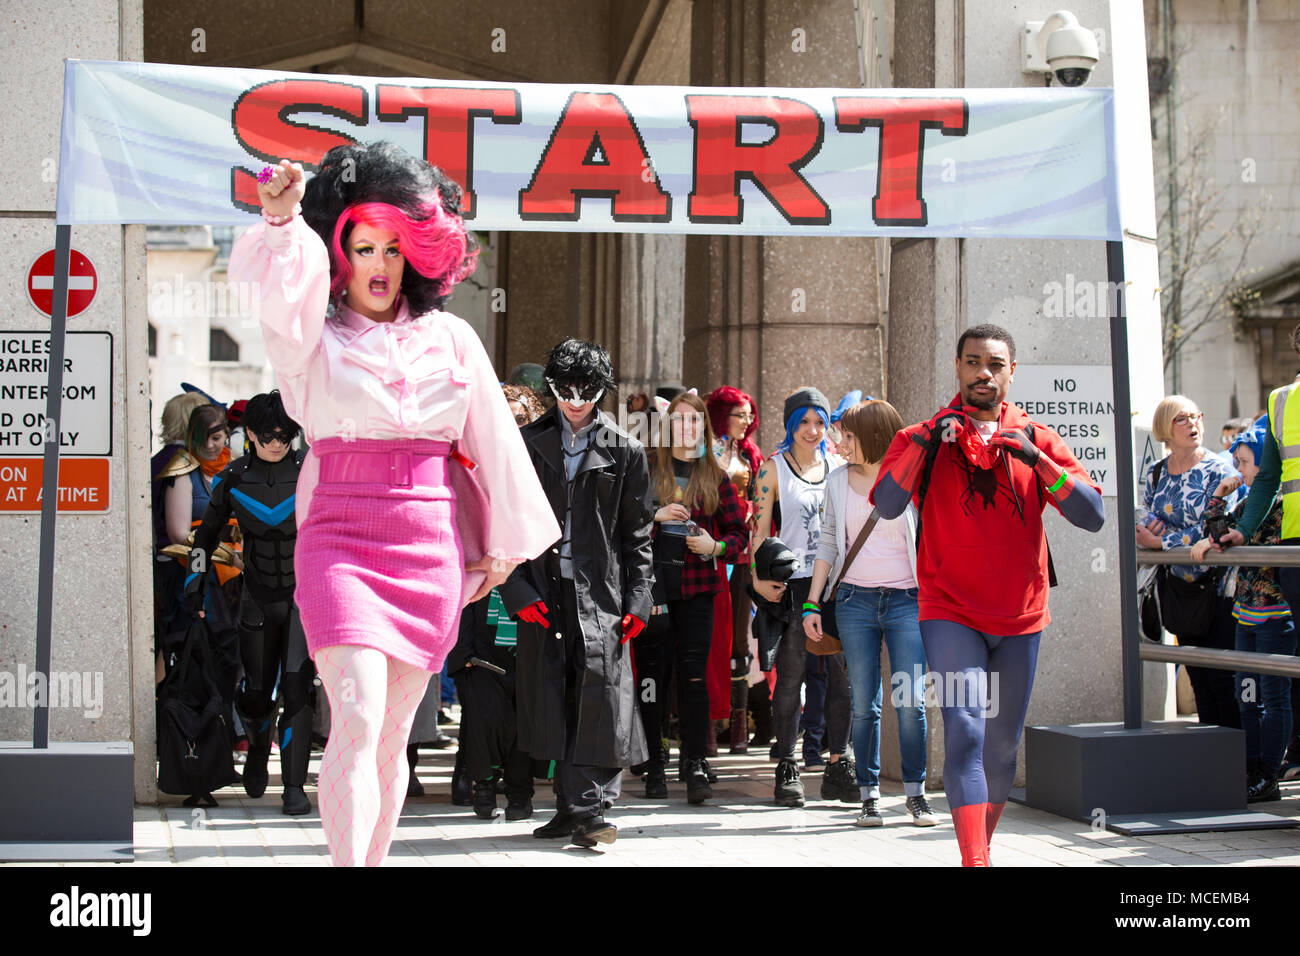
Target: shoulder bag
[830, 644]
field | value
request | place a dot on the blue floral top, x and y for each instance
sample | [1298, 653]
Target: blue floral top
[1180, 502]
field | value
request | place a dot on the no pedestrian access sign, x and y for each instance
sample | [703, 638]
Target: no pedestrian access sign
[83, 283]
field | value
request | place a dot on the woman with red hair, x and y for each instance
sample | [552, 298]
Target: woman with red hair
[416, 464]
[734, 417]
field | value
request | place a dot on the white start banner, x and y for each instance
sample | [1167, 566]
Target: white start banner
[158, 143]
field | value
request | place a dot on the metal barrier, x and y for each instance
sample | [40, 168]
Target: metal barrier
[1249, 662]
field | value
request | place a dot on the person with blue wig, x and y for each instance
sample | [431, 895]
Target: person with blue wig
[791, 489]
[1264, 621]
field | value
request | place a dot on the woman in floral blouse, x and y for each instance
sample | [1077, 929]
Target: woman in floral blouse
[1187, 477]
[1264, 624]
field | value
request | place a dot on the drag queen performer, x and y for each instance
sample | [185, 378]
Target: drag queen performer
[416, 497]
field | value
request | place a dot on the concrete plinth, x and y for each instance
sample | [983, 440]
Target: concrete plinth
[72, 801]
[1166, 767]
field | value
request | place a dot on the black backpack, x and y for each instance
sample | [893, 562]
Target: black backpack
[195, 742]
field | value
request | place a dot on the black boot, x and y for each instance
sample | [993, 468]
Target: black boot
[485, 798]
[697, 784]
[258, 730]
[413, 786]
[462, 787]
[519, 803]
[1261, 785]
[656, 783]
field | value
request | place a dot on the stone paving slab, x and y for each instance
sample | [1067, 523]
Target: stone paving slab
[738, 827]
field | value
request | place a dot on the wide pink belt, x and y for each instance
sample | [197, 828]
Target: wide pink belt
[396, 468]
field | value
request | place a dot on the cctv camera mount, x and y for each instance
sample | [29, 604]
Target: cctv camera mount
[1060, 46]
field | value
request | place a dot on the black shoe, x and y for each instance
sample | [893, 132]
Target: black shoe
[1262, 787]
[485, 799]
[441, 741]
[639, 769]
[255, 775]
[838, 782]
[519, 806]
[443, 717]
[683, 774]
[697, 782]
[200, 800]
[462, 790]
[789, 788]
[594, 830]
[294, 803]
[656, 782]
[562, 825]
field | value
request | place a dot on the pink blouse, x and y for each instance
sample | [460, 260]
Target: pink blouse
[416, 377]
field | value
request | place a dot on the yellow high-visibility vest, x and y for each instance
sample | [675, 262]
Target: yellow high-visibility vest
[1284, 420]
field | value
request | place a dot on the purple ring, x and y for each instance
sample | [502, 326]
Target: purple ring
[265, 175]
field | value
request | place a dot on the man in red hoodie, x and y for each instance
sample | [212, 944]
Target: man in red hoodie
[981, 474]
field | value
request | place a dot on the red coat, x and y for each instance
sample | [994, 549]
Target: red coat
[982, 556]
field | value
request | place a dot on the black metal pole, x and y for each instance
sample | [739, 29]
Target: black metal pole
[1124, 485]
[50, 482]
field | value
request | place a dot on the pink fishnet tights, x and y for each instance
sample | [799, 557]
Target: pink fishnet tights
[363, 775]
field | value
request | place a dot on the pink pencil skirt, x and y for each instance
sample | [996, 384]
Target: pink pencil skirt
[378, 559]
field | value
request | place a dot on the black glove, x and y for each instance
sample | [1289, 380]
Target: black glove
[1017, 444]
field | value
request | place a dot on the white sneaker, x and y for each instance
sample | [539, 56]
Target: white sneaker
[922, 814]
[870, 816]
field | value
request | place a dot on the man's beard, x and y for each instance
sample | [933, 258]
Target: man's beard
[983, 404]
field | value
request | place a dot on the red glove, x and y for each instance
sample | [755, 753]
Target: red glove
[535, 613]
[1017, 444]
[947, 425]
[632, 626]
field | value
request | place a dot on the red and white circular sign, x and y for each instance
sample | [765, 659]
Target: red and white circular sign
[83, 282]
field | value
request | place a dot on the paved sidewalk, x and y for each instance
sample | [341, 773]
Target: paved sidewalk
[739, 826]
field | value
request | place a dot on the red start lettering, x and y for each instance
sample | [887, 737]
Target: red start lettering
[902, 122]
[449, 114]
[722, 159]
[595, 150]
[262, 126]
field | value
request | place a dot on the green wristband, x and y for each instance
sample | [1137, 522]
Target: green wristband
[1059, 483]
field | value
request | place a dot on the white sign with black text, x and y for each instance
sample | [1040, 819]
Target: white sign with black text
[85, 425]
[1077, 402]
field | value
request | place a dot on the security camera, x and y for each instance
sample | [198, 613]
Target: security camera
[1058, 45]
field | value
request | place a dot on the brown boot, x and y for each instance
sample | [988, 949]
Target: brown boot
[711, 740]
[739, 714]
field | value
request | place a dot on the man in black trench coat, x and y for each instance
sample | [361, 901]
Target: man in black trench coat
[584, 599]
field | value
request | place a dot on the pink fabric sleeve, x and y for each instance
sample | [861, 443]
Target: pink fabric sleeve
[290, 268]
[521, 524]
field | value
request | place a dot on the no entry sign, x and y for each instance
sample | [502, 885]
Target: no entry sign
[82, 283]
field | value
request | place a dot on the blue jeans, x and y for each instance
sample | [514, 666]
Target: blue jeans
[1265, 699]
[864, 616]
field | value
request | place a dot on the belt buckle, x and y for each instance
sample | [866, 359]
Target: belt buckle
[401, 474]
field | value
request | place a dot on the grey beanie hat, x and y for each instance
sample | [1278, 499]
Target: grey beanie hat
[805, 398]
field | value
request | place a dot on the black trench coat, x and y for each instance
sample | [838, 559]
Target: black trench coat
[611, 519]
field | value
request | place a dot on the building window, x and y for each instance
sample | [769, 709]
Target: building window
[153, 340]
[221, 347]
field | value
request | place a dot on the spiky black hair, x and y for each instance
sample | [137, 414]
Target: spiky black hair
[574, 360]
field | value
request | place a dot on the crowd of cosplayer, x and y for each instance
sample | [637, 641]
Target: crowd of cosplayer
[699, 682]
[706, 682]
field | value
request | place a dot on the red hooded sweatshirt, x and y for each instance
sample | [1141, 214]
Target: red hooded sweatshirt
[982, 557]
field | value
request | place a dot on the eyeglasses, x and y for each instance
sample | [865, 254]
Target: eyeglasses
[743, 416]
[576, 393]
[1188, 418]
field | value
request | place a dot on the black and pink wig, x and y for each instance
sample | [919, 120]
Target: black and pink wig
[385, 187]
[720, 403]
[434, 246]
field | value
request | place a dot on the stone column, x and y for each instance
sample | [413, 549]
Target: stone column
[772, 314]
